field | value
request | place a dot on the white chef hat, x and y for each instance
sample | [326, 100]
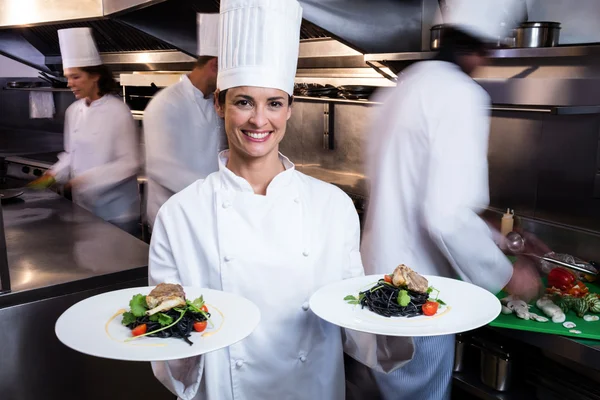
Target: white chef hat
[77, 48]
[485, 19]
[258, 43]
[208, 34]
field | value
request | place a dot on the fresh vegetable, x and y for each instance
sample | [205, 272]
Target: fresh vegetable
[430, 308]
[200, 326]
[387, 278]
[430, 290]
[139, 330]
[580, 306]
[561, 279]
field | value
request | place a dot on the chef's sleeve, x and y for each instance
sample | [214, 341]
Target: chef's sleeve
[181, 377]
[125, 162]
[457, 189]
[165, 140]
[382, 353]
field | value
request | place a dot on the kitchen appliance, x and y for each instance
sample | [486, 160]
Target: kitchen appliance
[29, 167]
[495, 364]
[538, 34]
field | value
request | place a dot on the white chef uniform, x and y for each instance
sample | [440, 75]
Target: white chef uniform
[101, 143]
[274, 250]
[182, 131]
[429, 178]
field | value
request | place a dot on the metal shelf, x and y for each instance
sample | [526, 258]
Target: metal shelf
[40, 89]
[552, 110]
[541, 52]
[330, 100]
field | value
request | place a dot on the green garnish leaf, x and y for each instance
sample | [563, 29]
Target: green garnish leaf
[403, 298]
[196, 305]
[138, 305]
[349, 297]
[440, 301]
[162, 318]
[353, 299]
[128, 318]
[429, 290]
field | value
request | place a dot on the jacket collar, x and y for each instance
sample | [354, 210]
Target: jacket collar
[229, 180]
[193, 91]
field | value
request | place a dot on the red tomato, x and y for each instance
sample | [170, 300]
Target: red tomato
[387, 278]
[430, 308]
[139, 330]
[200, 326]
[561, 278]
[204, 308]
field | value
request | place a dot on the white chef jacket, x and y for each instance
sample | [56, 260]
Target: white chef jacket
[428, 169]
[276, 250]
[102, 147]
[183, 135]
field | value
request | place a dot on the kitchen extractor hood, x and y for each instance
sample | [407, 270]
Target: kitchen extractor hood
[136, 35]
[151, 35]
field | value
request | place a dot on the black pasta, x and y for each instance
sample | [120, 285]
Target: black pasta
[382, 300]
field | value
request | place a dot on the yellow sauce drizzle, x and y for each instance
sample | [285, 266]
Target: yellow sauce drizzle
[208, 334]
[121, 311]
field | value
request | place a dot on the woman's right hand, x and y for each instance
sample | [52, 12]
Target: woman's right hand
[525, 282]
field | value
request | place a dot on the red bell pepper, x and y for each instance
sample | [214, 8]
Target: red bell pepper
[561, 279]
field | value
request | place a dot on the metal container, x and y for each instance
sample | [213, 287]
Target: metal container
[436, 37]
[538, 34]
[495, 365]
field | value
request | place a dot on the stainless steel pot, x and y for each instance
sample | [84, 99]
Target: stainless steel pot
[495, 364]
[538, 34]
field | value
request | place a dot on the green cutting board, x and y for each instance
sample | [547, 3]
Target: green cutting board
[589, 330]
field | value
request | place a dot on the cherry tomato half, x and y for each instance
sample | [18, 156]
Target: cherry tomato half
[139, 330]
[430, 308]
[200, 326]
[387, 278]
[204, 308]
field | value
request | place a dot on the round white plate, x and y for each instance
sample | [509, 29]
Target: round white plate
[85, 326]
[468, 307]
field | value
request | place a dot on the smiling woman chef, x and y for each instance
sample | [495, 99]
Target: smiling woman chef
[256, 228]
[100, 161]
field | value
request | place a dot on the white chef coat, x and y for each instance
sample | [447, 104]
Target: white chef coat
[183, 135]
[429, 178]
[427, 166]
[102, 147]
[276, 250]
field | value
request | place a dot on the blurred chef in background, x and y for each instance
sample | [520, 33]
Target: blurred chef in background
[101, 158]
[429, 181]
[182, 131]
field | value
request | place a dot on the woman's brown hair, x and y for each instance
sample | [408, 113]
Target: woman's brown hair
[106, 82]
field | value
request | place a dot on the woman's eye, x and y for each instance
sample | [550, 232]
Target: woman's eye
[242, 103]
[276, 104]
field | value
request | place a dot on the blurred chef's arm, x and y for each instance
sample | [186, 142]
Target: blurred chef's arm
[181, 377]
[126, 162]
[166, 147]
[457, 188]
[382, 353]
[62, 168]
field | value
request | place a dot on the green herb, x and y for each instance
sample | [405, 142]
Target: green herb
[430, 290]
[196, 305]
[128, 318]
[138, 305]
[181, 313]
[353, 299]
[403, 298]
[162, 318]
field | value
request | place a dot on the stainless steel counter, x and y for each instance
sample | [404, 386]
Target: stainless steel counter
[55, 247]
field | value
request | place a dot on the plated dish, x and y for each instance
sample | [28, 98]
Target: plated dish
[180, 322]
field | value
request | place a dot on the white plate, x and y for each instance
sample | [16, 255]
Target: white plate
[85, 326]
[468, 307]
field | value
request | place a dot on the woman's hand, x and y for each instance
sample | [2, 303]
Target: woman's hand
[525, 282]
